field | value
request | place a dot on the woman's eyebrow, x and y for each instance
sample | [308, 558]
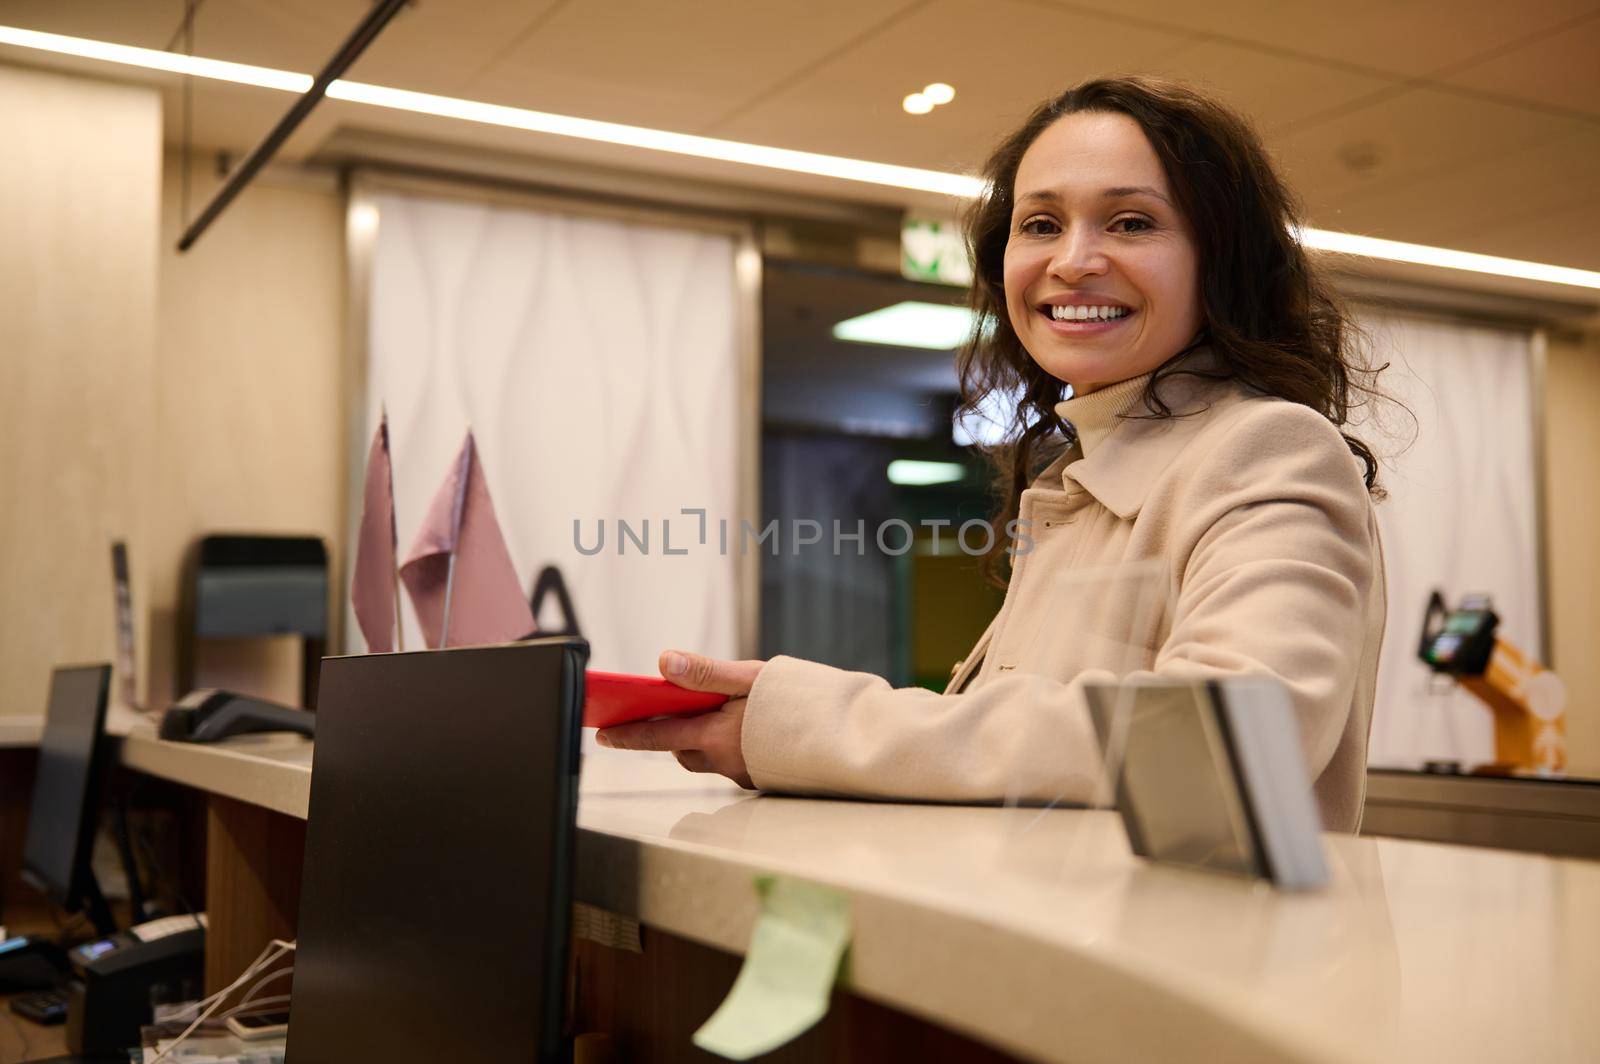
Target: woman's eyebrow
[1047, 196]
[1134, 190]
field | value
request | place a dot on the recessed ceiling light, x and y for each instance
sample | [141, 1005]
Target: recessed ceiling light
[1361, 157]
[939, 93]
[912, 473]
[917, 104]
[935, 326]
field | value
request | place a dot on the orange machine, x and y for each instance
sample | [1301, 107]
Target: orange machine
[1528, 701]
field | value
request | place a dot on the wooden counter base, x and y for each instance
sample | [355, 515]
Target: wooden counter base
[651, 1003]
[253, 863]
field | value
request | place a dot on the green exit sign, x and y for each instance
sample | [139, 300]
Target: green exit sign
[932, 249]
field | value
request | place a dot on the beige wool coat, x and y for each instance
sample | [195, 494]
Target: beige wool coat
[1237, 539]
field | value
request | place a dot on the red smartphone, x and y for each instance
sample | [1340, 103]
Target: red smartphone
[612, 698]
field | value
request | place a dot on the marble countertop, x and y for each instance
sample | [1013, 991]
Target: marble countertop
[20, 730]
[25, 731]
[1039, 932]
[271, 769]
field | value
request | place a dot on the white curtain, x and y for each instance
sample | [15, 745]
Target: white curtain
[1460, 517]
[596, 361]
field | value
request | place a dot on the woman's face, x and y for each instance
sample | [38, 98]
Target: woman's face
[1095, 225]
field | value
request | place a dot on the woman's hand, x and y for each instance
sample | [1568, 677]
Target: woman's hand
[705, 742]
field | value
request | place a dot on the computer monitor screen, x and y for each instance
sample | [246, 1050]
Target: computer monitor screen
[66, 810]
[434, 905]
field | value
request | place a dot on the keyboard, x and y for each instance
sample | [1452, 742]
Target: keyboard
[47, 1007]
[151, 930]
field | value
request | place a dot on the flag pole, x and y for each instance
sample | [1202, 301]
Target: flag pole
[394, 536]
[449, 588]
[455, 538]
[399, 625]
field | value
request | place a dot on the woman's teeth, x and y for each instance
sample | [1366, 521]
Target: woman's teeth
[1087, 313]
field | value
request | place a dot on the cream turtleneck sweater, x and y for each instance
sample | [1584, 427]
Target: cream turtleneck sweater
[1093, 416]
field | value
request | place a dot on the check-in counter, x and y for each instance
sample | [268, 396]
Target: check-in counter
[987, 933]
[1539, 814]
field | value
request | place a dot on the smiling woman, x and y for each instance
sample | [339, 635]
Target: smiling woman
[1133, 250]
[1147, 194]
[1101, 280]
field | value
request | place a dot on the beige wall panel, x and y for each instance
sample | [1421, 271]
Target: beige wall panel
[250, 436]
[80, 165]
[1572, 446]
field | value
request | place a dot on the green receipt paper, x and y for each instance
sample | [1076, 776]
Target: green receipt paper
[788, 973]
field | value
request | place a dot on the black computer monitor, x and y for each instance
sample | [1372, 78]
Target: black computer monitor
[435, 901]
[65, 813]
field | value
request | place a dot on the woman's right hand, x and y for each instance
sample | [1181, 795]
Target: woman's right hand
[705, 742]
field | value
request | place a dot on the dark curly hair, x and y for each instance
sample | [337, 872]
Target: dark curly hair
[1273, 319]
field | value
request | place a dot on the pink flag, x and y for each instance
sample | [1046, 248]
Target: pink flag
[459, 572]
[372, 589]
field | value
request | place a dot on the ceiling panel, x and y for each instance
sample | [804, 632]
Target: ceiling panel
[1565, 236]
[1430, 163]
[1562, 71]
[144, 23]
[242, 31]
[288, 34]
[1274, 91]
[1421, 133]
[431, 46]
[1002, 56]
[1407, 37]
[1456, 204]
[673, 65]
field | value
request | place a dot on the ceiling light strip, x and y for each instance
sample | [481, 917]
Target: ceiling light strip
[907, 177]
[150, 59]
[1422, 254]
[804, 162]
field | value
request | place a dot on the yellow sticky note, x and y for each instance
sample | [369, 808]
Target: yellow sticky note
[788, 973]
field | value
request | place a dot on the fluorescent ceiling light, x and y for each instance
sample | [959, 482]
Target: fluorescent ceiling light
[150, 59]
[936, 326]
[802, 162]
[1398, 251]
[909, 473]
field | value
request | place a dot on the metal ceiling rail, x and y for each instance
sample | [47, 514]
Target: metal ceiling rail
[362, 36]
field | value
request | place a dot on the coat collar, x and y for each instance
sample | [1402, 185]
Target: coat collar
[1121, 470]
